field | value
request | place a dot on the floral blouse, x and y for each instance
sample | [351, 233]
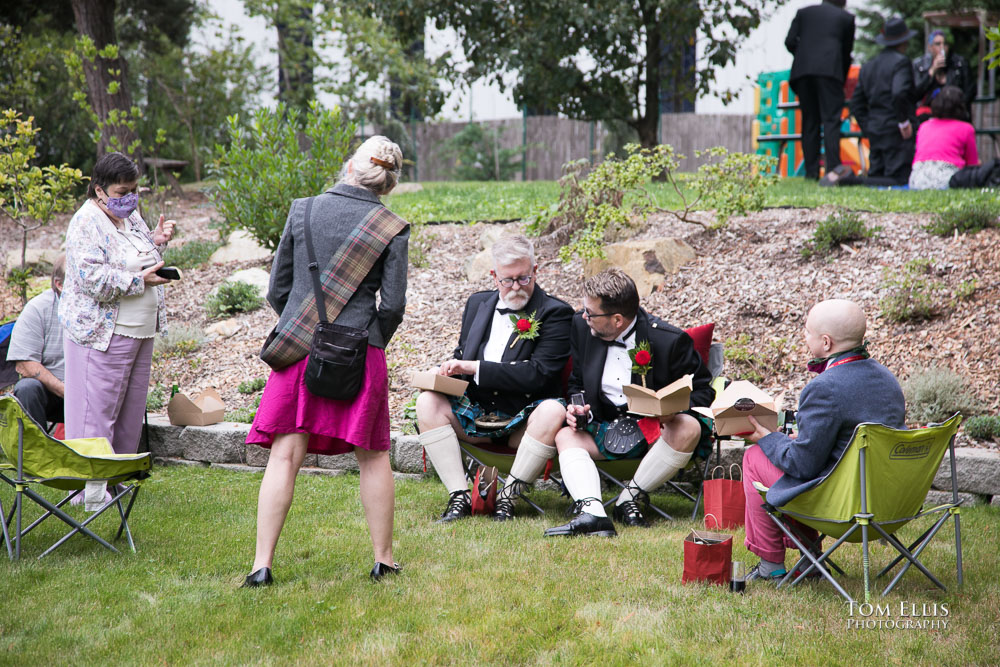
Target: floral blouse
[96, 278]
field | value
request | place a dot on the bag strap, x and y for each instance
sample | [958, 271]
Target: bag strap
[313, 264]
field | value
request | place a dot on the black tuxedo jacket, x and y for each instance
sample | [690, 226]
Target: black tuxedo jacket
[885, 95]
[821, 38]
[528, 371]
[673, 356]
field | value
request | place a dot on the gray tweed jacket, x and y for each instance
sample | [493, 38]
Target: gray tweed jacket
[334, 214]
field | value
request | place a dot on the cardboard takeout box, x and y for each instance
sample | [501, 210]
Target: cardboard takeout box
[738, 401]
[674, 398]
[432, 381]
[204, 410]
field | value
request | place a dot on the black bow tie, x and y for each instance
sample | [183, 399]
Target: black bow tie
[614, 343]
[506, 311]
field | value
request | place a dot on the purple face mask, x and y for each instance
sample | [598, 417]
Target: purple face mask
[122, 207]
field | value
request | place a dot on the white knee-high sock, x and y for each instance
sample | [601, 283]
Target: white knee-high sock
[441, 445]
[582, 479]
[529, 462]
[659, 464]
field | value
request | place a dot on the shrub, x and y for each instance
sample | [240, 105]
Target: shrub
[935, 394]
[836, 229]
[911, 295]
[244, 415]
[156, 398]
[410, 416]
[181, 339]
[965, 290]
[421, 244]
[752, 363]
[476, 155]
[612, 201]
[190, 255]
[233, 297]
[265, 168]
[966, 218]
[986, 427]
[251, 386]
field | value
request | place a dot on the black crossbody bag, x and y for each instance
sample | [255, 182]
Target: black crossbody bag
[336, 364]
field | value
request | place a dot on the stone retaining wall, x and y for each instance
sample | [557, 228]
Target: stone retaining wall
[223, 445]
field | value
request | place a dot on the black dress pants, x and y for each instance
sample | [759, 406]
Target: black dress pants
[821, 101]
[891, 158]
[40, 403]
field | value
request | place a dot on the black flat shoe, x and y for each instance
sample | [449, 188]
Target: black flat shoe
[381, 569]
[504, 510]
[584, 524]
[459, 507]
[629, 514]
[261, 577]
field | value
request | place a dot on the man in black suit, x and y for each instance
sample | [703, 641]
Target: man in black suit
[883, 104]
[614, 342]
[820, 38]
[512, 348]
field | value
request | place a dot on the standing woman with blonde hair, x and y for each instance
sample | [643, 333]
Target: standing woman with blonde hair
[292, 421]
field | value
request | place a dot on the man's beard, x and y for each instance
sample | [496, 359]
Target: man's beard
[516, 301]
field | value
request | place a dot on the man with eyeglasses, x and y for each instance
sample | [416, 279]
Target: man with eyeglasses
[938, 68]
[613, 343]
[513, 347]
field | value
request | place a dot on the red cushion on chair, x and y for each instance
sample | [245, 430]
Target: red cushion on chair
[702, 337]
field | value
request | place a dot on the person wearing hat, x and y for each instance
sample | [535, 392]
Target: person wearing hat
[883, 104]
[820, 38]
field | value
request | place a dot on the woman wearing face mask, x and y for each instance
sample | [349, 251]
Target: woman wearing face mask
[111, 307]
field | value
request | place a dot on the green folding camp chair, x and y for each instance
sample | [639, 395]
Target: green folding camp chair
[880, 482]
[33, 457]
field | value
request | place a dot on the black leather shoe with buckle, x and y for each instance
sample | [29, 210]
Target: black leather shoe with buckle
[628, 513]
[381, 569]
[584, 524]
[261, 577]
[459, 507]
[504, 510]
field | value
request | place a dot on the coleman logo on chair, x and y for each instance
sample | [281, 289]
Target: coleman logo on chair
[910, 450]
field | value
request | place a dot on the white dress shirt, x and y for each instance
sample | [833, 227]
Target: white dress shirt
[500, 330]
[618, 367]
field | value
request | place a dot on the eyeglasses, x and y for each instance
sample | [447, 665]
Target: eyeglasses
[509, 282]
[140, 251]
[590, 316]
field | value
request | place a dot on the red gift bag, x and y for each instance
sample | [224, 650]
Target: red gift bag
[484, 490]
[707, 557]
[725, 501]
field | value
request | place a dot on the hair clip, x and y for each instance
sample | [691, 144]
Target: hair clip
[382, 163]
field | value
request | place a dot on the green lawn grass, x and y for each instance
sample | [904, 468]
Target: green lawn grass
[473, 592]
[486, 201]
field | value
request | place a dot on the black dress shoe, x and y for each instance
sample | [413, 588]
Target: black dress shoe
[381, 569]
[585, 524]
[629, 514]
[261, 577]
[504, 510]
[459, 507]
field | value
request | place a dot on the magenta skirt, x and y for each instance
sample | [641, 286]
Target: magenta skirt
[334, 427]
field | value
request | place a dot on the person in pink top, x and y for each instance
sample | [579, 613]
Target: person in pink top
[946, 143]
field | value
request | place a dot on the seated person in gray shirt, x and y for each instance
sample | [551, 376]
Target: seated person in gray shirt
[36, 348]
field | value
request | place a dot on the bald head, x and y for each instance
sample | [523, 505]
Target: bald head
[838, 324]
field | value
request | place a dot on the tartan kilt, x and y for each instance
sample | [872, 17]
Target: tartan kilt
[468, 412]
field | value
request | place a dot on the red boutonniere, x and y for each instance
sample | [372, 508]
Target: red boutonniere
[526, 327]
[642, 359]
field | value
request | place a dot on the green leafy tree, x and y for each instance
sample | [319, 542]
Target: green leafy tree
[30, 195]
[476, 155]
[601, 59]
[264, 168]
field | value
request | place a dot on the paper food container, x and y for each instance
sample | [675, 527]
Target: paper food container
[738, 401]
[432, 381]
[206, 409]
[674, 398]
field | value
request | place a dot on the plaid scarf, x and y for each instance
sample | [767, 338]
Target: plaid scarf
[340, 279]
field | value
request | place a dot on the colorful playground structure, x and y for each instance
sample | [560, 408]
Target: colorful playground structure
[777, 128]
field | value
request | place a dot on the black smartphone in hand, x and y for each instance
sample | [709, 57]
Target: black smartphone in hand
[169, 272]
[581, 420]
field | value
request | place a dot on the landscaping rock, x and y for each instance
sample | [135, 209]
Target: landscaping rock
[995, 501]
[257, 455]
[978, 471]
[338, 462]
[218, 443]
[239, 247]
[406, 475]
[324, 472]
[404, 188]
[237, 467]
[941, 497]
[164, 438]
[491, 233]
[647, 261]
[223, 329]
[407, 454]
[479, 266]
[170, 461]
[259, 278]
